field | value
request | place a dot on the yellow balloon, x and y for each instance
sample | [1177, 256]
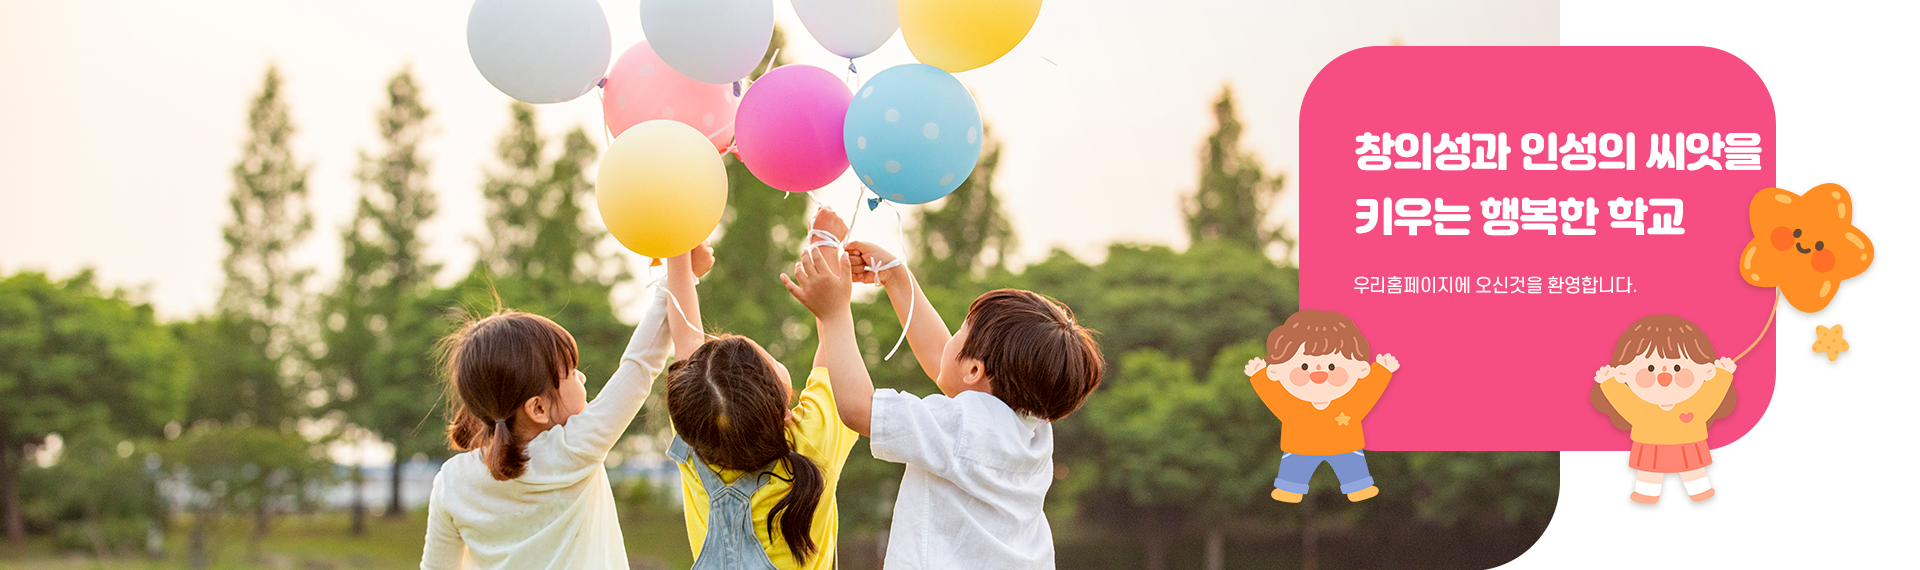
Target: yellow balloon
[661, 188]
[958, 35]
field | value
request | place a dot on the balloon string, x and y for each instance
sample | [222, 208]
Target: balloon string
[606, 133]
[655, 283]
[1763, 328]
[772, 60]
[913, 288]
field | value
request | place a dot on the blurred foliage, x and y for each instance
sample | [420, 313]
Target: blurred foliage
[378, 326]
[79, 361]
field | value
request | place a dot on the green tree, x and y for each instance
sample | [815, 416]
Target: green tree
[252, 361]
[98, 495]
[264, 295]
[1235, 195]
[379, 327]
[1178, 452]
[1496, 490]
[969, 231]
[78, 360]
[233, 467]
[546, 253]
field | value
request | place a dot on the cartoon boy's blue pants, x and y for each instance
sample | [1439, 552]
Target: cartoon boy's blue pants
[1297, 469]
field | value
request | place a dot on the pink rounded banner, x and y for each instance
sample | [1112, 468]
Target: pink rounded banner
[1495, 217]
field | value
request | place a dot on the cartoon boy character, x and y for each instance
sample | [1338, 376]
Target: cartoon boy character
[1667, 386]
[1320, 379]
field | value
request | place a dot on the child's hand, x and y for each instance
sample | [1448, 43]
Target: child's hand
[1387, 360]
[702, 259]
[1254, 366]
[828, 221]
[822, 281]
[861, 255]
[1725, 363]
[1605, 374]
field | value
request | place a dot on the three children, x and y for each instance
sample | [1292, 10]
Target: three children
[758, 471]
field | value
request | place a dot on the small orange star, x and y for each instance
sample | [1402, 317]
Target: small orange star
[1342, 418]
[1829, 340]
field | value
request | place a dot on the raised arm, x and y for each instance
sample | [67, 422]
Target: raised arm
[823, 282]
[824, 220]
[685, 322]
[927, 333]
[595, 430]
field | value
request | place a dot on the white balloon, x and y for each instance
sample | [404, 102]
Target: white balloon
[849, 28]
[713, 41]
[540, 51]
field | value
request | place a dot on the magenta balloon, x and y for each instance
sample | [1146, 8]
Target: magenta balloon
[642, 88]
[790, 127]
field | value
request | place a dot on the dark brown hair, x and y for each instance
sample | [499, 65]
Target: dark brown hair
[1668, 335]
[726, 402]
[1041, 362]
[1321, 332]
[494, 365]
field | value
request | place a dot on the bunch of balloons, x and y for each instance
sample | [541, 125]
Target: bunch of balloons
[678, 101]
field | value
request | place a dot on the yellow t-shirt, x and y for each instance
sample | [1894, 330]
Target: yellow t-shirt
[816, 432]
[1685, 423]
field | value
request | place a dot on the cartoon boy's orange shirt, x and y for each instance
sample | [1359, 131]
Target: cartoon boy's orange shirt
[1331, 431]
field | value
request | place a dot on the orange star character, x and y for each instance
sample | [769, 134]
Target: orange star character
[1809, 244]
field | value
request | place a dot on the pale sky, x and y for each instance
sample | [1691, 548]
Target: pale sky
[121, 120]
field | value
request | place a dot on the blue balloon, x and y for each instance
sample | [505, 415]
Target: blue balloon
[913, 134]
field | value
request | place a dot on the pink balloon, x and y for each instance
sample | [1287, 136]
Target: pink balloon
[642, 88]
[791, 125]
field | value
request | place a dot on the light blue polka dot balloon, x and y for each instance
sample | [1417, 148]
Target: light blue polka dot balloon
[913, 134]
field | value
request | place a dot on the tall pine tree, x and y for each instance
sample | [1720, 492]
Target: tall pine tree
[378, 324]
[252, 360]
[264, 296]
[1235, 194]
[545, 253]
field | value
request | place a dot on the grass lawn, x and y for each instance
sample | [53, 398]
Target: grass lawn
[322, 542]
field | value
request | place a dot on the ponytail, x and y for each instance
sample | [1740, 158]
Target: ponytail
[493, 366]
[506, 458]
[727, 401]
[795, 510]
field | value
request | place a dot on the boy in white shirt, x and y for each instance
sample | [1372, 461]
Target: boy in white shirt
[979, 455]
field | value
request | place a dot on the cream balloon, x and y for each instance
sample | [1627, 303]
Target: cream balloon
[661, 188]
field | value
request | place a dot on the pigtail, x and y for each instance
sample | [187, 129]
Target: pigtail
[506, 457]
[795, 510]
[464, 433]
[1726, 405]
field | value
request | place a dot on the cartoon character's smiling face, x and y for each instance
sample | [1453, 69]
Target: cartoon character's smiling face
[1318, 379]
[1665, 381]
[1804, 244]
[1785, 238]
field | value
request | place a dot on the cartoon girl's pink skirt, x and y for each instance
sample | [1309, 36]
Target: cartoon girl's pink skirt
[1659, 458]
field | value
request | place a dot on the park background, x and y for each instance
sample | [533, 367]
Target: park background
[232, 230]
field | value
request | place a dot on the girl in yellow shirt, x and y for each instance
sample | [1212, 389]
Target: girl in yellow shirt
[1666, 385]
[758, 472]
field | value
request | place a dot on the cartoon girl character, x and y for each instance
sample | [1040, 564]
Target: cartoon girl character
[1665, 386]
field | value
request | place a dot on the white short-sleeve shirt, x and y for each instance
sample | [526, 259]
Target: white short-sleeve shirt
[977, 477]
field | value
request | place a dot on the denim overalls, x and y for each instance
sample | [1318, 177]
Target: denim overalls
[730, 542]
